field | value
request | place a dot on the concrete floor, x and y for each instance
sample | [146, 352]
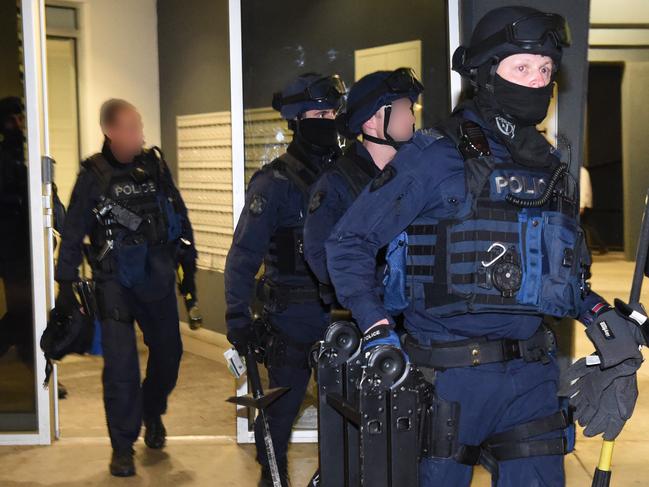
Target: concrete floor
[202, 450]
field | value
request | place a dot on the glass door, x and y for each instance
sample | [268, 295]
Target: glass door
[25, 219]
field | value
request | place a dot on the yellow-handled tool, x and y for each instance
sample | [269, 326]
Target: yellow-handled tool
[602, 477]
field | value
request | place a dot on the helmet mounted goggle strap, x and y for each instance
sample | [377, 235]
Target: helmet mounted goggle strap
[329, 89]
[530, 32]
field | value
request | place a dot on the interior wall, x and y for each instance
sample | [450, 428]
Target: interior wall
[118, 58]
[619, 12]
[194, 62]
[635, 120]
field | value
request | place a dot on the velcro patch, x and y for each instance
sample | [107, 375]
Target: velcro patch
[316, 201]
[257, 204]
[383, 178]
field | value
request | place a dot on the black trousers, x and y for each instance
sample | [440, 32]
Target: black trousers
[126, 399]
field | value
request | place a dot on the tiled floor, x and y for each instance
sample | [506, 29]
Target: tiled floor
[202, 450]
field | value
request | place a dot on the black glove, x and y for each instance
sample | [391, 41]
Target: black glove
[242, 339]
[603, 398]
[636, 314]
[381, 335]
[615, 337]
[66, 301]
[188, 285]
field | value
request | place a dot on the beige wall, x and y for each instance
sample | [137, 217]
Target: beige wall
[118, 57]
[619, 11]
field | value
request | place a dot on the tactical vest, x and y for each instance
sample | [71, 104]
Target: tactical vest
[356, 171]
[492, 256]
[286, 251]
[140, 190]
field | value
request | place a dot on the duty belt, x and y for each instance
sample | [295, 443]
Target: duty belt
[480, 351]
[270, 292]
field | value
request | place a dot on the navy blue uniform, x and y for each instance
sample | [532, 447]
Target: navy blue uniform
[135, 281]
[269, 231]
[331, 196]
[15, 324]
[426, 184]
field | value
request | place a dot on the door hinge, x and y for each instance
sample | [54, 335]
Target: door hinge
[47, 168]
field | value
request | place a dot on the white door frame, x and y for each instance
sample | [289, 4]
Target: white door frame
[33, 25]
[244, 423]
[244, 433]
[455, 80]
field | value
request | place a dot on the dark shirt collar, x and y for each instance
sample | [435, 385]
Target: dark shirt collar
[469, 111]
[314, 159]
[110, 157]
[362, 157]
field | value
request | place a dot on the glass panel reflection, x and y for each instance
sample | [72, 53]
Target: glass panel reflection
[17, 375]
[284, 39]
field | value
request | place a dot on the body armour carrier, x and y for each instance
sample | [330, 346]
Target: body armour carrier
[356, 171]
[136, 211]
[286, 252]
[495, 256]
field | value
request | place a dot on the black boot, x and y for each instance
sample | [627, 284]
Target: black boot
[155, 435]
[266, 479]
[121, 464]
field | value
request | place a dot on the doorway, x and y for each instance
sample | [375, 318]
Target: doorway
[25, 242]
[62, 30]
[604, 154]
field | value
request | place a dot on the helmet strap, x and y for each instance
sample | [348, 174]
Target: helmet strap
[492, 74]
[388, 138]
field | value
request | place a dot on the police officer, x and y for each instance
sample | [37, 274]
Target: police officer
[15, 325]
[125, 200]
[380, 109]
[493, 245]
[270, 231]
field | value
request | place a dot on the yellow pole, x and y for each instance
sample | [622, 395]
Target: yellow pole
[606, 456]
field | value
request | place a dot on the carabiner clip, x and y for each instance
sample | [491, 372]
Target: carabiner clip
[503, 251]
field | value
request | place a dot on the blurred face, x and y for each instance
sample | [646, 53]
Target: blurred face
[531, 70]
[19, 121]
[15, 122]
[330, 114]
[126, 133]
[402, 120]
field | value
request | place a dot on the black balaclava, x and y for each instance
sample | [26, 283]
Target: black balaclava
[513, 111]
[320, 132]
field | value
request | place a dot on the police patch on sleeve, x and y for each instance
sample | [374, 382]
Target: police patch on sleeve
[316, 201]
[257, 204]
[382, 179]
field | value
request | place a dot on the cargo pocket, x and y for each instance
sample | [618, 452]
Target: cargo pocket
[560, 261]
[132, 261]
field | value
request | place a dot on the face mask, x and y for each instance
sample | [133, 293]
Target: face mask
[319, 131]
[527, 106]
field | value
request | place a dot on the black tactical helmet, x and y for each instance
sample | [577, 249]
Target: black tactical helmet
[66, 334]
[310, 91]
[512, 30]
